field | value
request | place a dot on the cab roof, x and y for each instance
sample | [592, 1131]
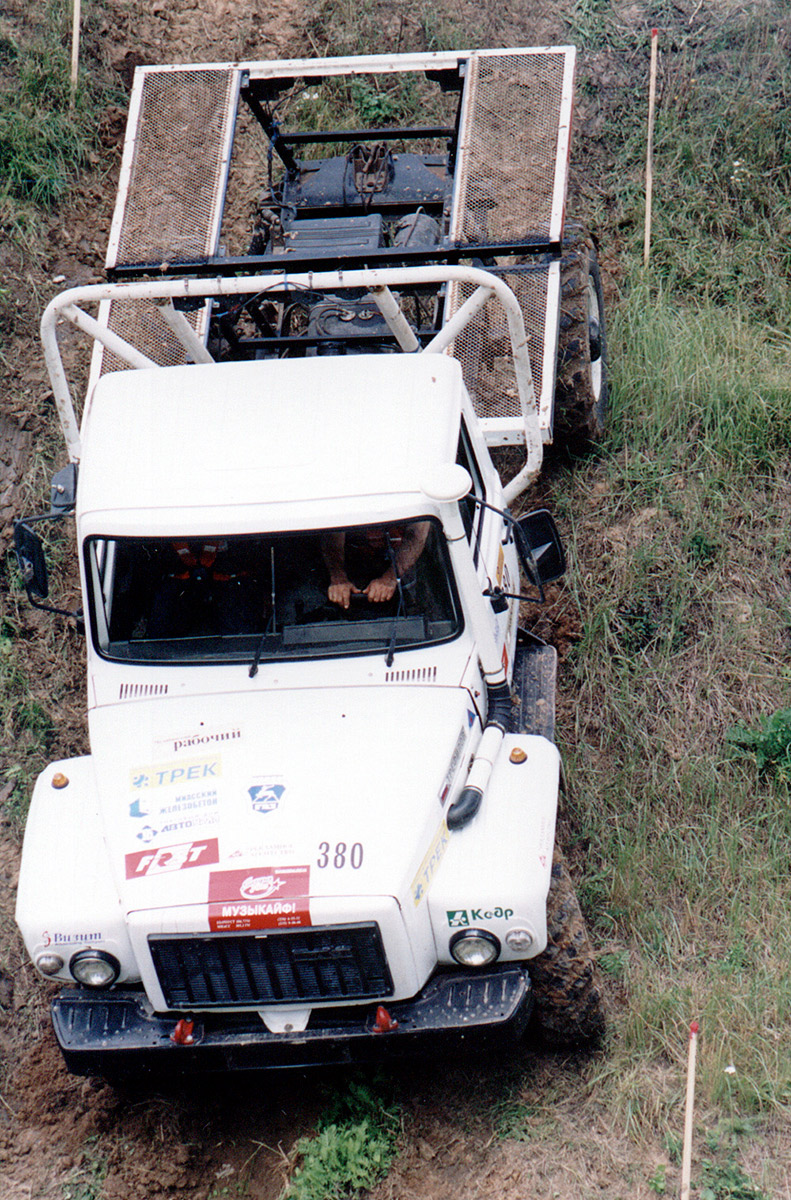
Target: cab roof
[270, 432]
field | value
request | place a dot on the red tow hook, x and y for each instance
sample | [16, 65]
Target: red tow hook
[182, 1034]
[384, 1023]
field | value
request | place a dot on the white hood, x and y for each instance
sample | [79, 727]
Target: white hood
[309, 793]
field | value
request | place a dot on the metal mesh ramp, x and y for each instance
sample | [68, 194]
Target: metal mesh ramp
[175, 167]
[170, 194]
[513, 146]
[483, 349]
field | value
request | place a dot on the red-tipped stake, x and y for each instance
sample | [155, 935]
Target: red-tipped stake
[686, 1161]
[649, 157]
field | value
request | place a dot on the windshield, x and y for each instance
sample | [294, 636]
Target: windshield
[360, 590]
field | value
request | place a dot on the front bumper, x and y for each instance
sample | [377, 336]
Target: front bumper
[114, 1033]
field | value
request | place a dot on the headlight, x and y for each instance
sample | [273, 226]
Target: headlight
[49, 964]
[474, 947]
[95, 968]
[519, 940]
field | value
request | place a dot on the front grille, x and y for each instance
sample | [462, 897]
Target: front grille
[337, 962]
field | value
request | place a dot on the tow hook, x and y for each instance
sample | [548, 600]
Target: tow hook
[182, 1035]
[384, 1023]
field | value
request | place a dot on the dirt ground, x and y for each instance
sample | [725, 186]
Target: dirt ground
[233, 1136]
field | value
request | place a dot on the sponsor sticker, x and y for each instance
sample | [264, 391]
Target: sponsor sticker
[459, 918]
[144, 804]
[158, 775]
[196, 740]
[172, 858]
[453, 765]
[259, 898]
[149, 833]
[264, 850]
[265, 795]
[429, 865]
[60, 939]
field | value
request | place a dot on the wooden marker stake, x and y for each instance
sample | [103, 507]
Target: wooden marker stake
[75, 48]
[649, 162]
[686, 1161]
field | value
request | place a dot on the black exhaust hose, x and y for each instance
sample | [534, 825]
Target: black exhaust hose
[468, 801]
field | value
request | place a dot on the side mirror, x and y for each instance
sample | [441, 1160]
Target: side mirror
[539, 547]
[32, 564]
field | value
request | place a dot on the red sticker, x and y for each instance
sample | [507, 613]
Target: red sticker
[259, 898]
[172, 858]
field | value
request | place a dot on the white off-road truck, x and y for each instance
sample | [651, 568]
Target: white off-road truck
[317, 821]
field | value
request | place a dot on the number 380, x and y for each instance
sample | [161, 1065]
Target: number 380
[340, 855]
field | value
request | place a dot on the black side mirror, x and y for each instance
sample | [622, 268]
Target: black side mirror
[32, 564]
[539, 547]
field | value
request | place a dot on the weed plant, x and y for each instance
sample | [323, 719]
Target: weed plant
[352, 1148]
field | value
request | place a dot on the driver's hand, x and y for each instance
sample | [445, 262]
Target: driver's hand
[341, 593]
[382, 589]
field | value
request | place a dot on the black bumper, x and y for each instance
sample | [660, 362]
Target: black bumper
[114, 1034]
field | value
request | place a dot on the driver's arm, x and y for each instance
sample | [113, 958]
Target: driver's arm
[410, 550]
[333, 550]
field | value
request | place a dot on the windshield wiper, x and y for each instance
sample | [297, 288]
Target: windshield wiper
[400, 609]
[270, 625]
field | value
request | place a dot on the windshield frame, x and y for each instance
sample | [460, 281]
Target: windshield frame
[386, 626]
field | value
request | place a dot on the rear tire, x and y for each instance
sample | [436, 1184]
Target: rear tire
[569, 1004]
[581, 385]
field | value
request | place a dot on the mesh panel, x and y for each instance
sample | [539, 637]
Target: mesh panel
[141, 325]
[509, 147]
[172, 205]
[484, 349]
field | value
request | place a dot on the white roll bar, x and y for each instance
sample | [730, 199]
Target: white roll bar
[376, 281]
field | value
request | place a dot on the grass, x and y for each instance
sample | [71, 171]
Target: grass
[353, 1146]
[47, 134]
[722, 207]
[86, 1181]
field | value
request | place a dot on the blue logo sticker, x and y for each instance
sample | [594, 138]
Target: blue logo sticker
[265, 797]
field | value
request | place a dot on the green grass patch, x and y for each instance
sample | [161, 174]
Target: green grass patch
[46, 133]
[697, 386]
[769, 743]
[86, 1181]
[353, 1146]
[722, 146]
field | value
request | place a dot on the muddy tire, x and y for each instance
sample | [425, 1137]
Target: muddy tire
[569, 1004]
[14, 452]
[581, 384]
